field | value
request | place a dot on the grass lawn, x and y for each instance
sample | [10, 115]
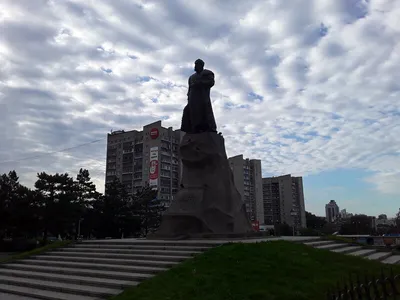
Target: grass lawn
[36, 251]
[275, 270]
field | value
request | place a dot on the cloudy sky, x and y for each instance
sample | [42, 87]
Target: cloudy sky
[311, 87]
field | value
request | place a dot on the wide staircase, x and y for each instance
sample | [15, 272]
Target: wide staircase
[92, 269]
[103, 268]
[382, 255]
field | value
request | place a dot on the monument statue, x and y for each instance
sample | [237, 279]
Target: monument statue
[208, 203]
[198, 115]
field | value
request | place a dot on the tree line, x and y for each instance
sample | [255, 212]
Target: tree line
[355, 225]
[60, 205]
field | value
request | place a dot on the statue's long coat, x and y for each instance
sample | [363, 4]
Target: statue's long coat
[198, 115]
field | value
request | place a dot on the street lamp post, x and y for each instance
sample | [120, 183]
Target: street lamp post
[293, 213]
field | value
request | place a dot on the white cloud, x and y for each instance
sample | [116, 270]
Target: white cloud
[325, 72]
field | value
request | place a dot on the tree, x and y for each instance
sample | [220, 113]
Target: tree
[85, 194]
[314, 222]
[398, 219]
[114, 212]
[149, 209]
[56, 195]
[358, 224]
[283, 229]
[9, 184]
[24, 213]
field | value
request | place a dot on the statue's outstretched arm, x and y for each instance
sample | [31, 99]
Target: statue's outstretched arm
[208, 79]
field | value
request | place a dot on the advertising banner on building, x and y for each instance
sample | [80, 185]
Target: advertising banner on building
[154, 167]
[255, 225]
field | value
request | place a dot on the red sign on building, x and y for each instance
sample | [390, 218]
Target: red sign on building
[153, 170]
[154, 133]
[255, 225]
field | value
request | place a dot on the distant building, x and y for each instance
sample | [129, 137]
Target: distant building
[382, 217]
[332, 211]
[283, 199]
[385, 222]
[344, 214]
[248, 180]
[149, 156]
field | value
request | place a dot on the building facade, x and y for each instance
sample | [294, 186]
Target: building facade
[332, 212]
[345, 215]
[248, 180]
[283, 201]
[150, 156]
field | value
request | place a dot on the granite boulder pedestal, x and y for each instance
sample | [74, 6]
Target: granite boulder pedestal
[208, 203]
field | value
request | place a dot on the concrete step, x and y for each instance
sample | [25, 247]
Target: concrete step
[40, 294]
[331, 246]
[96, 260]
[85, 280]
[122, 251]
[347, 249]
[379, 256]
[363, 252]
[118, 255]
[15, 297]
[92, 266]
[144, 242]
[143, 247]
[62, 287]
[392, 260]
[138, 252]
[319, 243]
[118, 275]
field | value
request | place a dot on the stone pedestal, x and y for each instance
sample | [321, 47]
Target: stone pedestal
[208, 202]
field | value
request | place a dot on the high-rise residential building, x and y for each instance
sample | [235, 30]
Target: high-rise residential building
[332, 212]
[283, 199]
[248, 180]
[144, 157]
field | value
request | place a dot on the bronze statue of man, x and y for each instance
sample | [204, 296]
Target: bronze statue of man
[198, 115]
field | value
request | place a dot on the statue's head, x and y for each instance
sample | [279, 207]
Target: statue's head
[198, 65]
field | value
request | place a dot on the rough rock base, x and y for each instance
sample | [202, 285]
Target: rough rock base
[208, 203]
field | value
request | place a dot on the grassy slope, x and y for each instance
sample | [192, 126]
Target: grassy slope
[36, 251]
[276, 270]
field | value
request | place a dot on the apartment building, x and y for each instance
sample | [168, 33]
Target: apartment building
[248, 180]
[332, 212]
[149, 156]
[283, 201]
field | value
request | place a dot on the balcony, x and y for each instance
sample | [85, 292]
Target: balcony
[127, 151]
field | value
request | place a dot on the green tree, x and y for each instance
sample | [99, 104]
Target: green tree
[283, 229]
[56, 195]
[314, 222]
[9, 184]
[358, 224]
[85, 194]
[24, 213]
[114, 212]
[148, 208]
